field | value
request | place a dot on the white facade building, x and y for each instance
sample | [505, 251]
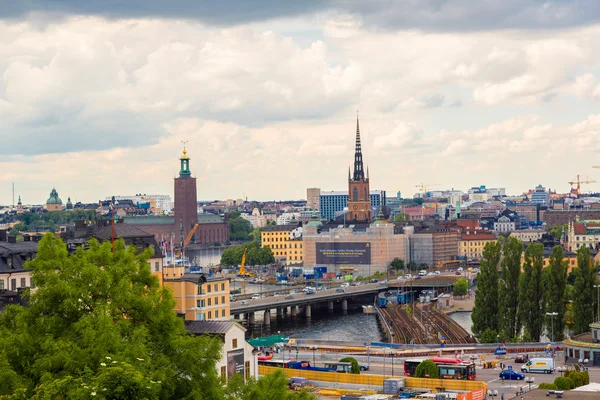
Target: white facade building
[504, 224]
[162, 201]
[237, 356]
[286, 218]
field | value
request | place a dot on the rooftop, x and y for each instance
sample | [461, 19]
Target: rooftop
[478, 236]
[280, 228]
[210, 327]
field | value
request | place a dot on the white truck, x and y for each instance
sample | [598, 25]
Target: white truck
[542, 365]
[422, 272]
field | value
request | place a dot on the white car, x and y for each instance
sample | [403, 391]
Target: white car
[437, 272]
[407, 276]
[460, 269]
[255, 297]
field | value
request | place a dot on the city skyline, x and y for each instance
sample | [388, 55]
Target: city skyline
[96, 99]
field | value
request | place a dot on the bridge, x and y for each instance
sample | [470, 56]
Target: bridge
[302, 302]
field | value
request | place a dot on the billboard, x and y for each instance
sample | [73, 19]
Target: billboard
[235, 363]
[344, 253]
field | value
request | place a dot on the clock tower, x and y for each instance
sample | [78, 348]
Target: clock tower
[359, 200]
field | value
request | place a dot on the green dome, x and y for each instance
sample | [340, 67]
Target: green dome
[54, 199]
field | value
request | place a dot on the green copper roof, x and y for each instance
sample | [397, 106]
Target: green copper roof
[54, 199]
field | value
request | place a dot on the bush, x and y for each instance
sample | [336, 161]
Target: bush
[547, 385]
[427, 369]
[564, 383]
[577, 378]
[586, 377]
[355, 366]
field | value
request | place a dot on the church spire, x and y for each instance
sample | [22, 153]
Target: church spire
[184, 170]
[359, 173]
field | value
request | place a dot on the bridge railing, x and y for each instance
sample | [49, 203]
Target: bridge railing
[390, 333]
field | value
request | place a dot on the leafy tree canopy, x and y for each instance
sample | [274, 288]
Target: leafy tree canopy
[461, 288]
[398, 264]
[355, 366]
[255, 255]
[99, 325]
[427, 369]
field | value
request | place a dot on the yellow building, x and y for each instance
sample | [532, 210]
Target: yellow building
[471, 245]
[570, 258]
[198, 297]
[285, 242]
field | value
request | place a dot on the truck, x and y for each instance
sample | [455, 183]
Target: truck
[422, 272]
[543, 365]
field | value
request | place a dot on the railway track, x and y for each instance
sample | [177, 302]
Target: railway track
[423, 327]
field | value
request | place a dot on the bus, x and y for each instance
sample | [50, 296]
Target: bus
[344, 367]
[449, 368]
[274, 363]
[464, 371]
[292, 364]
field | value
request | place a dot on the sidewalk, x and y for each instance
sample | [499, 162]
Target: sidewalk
[465, 304]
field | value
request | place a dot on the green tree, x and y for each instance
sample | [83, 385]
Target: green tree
[508, 290]
[401, 217]
[239, 228]
[397, 264]
[355, 366]
[583, 304]
[485, 309]
[412, 266]
[556, 286]
[270, 387]
[461, 288]
[564, 383]
[489, 336]
[100, 323]
[557, 231]
[427, 369]
[531, 292]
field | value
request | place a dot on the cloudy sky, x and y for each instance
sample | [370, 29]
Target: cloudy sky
[96, 97]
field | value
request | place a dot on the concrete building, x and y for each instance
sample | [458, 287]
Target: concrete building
[586, 346]
[584, 233]
[528, 235]
[540, 196]
[362, 251]
[287, 218]
[161, 202]
[198, 297]
[471, 244]
[434, 246]
[529, 212]
[504, 224]
[313, 198]
[237, 355]
[258, 219]
[54, 203]
[333, 203]
[554, 218]
[285, 242]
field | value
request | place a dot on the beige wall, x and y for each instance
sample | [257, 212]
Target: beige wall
[212, 303]
[385, 246]
[235, 339]
[15, 280]
[282, 246]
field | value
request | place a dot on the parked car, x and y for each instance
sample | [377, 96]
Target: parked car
[511, 375]
[521, 358]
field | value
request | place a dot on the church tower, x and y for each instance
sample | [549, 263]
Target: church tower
[359, 200]
[186, 200]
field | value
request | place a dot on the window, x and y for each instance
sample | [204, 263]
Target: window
[216, 287]
[234, 343]
[1, 284]
[207, 288]
[222, 286]
[224, 373]
[200, 317]
[209, 313]
[222, 313]
[247, 370]
[198, 303]
[216, 301]
[13, 284]
[209, 303]
[156, 266]
[222, 299]
[23, 282]
[355, 194]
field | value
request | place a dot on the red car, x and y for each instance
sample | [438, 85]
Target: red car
[521, 358]
[458, 273]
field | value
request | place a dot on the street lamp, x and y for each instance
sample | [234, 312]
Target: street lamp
[552, 315]
[598, 300]
[561, 370]
[313, 350]
[530, 380]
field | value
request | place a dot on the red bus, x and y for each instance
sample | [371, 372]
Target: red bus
[453, 368]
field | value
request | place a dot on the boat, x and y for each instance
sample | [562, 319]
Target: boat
[368, 309]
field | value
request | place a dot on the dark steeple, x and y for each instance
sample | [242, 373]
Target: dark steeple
[359, 173]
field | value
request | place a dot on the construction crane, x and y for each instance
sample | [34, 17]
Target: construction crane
[189, 236]
[424, 186]
[578, 181]
[243, 271]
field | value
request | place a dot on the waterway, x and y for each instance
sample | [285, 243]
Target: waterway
[352, 326]
[463, 318]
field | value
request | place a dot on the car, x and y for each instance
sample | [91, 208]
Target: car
[407, 276]
[430, 274]
[418, 277]
[340, 290]
[460, 269]
[293, 291]
[310, 292]
[521, 358]
[276, 294]
[345, 284]
[383, 282]
[437, 272]
[458, 273]
[450, 270]
[511, 375]
[255, 297]
[244, 302]
[373, 280]
[363, 367]
[232, 298]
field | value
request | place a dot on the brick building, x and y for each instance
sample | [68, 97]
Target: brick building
[434, 245]
[554, 218]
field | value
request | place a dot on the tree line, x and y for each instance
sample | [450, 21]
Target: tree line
[255, 255]
[515, 292]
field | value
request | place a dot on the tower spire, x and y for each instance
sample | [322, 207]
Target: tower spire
[359, 173]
